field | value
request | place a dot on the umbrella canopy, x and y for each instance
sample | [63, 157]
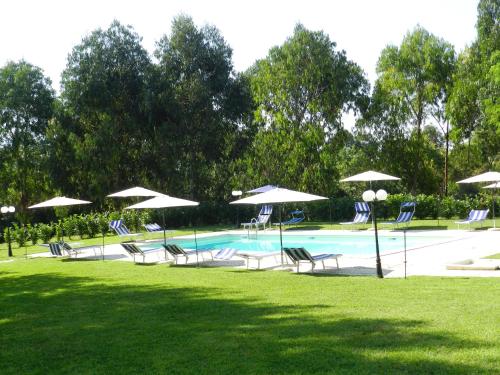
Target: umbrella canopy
[163, 201]
[279, 195]
[262, 189]
[59, 201]
[484, 177]
[492, 186]
[370, 176]
[135, 192]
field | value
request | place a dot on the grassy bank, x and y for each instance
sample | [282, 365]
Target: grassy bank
[62, 316]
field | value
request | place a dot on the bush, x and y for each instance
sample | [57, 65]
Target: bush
[20, 235]
[34, 233]
[46, 232]
[59, 230]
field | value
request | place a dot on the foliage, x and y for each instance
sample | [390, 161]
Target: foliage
[198, 104]
[33, 233]
[474, 108]
[19, 234]
[300, 91]
[411, 89]
[46, 232]
[26, 99]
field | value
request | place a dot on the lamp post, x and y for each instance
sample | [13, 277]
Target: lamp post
[236, 194]
[6, 210]
[372, 197]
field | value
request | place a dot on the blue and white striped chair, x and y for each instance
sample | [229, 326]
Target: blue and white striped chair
[121, 230]
[406, 212]
[300, 254]
[362, 214]
[225, 254]
[475, 216]
[153, 227]
[262, 219]
[55, 249]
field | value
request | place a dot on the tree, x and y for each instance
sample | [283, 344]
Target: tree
[103, 95]
[199, 105]
[473, 108]
[26, 105]
[300, 91]
[416, 77]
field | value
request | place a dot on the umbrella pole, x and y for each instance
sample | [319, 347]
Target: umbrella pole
[196, 248]
[102, 252]
[164, 234]
[281, 237]
[493, 197]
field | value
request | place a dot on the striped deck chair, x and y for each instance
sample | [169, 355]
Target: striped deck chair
[475, 216]
[71, 251]
[135, 250]
[55, 249]
[261, 219]
[225, 254]
[176, 251]
[300, 254]
[406, 212]
[362, 214]
[297, 217]
[153, 227]
[121, 230]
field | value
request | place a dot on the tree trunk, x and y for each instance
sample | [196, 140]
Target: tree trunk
[447, 146]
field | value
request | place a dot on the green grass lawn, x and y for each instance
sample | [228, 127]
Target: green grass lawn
[94, 317]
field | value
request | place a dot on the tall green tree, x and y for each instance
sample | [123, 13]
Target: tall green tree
[200, 109]
[103, 97]
[300, 91]
[412, 88]
[26, 106]
[474, 106]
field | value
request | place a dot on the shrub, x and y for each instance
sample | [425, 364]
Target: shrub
[34, 233]
[59, 230]
[92, 224]
[46, 232]
[20, 235]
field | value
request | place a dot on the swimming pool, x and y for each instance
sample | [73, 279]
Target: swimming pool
[347, 244]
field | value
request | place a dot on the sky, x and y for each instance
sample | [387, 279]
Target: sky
[44, 32]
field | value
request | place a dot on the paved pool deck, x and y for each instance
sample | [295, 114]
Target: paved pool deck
[431, 260]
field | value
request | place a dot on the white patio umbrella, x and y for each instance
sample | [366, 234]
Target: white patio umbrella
[485, 177]
[165, 201]
[370, 176]
[135, 192]
[279, 195]
[496, 185]
[59, 202]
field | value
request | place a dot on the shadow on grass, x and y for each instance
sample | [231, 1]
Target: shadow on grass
[58, 324]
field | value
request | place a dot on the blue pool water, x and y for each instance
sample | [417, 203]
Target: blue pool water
[357, 245]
